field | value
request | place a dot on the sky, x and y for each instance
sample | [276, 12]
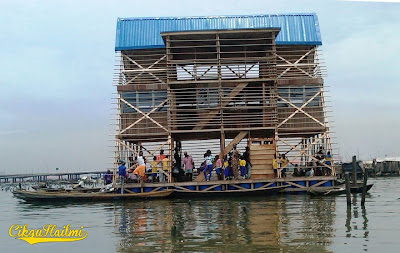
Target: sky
[57, 62]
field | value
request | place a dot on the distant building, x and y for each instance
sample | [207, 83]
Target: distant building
[384, 166]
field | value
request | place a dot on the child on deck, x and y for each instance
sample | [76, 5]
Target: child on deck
[208, 159]
[218, 167]
[165, 167]
[154, 165]
[226, 167]
[242, 164]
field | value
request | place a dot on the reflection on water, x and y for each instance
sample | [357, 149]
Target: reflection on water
[353, 227]
[288, 223]
[282, 223]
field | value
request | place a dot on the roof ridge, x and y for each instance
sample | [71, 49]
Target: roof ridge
[216, 16]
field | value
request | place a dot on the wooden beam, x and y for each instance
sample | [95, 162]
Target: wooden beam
[144, 116]
[147, 116]
[236, 140]
[224, 103]
[299, 108]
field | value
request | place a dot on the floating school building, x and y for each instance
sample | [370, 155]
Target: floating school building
[210, 82]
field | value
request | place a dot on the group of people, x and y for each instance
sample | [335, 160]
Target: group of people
[136, 172]
[230, 167]
[317, 167]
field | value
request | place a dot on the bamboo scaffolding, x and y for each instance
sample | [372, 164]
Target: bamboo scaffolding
[213, 89]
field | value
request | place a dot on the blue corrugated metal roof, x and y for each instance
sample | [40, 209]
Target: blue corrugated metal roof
[141, 33]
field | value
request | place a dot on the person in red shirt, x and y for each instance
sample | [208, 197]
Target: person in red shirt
[160, 157]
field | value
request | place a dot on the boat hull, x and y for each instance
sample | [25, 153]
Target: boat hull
[358, 188]
[55, 196]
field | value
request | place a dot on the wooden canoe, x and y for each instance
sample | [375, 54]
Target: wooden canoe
[358, 188]
[355, 189]
[93, 196]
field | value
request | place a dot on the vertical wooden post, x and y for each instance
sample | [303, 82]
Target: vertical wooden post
[222, 145]
[364, 189]
[171, 156]
[354, 174]
[347, 182]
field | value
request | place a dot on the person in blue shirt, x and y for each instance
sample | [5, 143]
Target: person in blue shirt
[122, 174]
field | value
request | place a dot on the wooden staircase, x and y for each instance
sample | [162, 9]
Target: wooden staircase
[261, 154]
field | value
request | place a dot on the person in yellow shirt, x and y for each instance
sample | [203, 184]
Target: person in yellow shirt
[276, 166]
[226, 168]
[153, 166]
[242, 164]
[165, 164]
[284, 163]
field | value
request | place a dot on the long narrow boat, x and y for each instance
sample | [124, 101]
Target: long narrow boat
[354, 188]
[95, 196]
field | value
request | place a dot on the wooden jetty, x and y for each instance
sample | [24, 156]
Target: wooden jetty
[207, 83]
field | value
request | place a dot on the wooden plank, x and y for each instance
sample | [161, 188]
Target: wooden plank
[236, 140]
[258, 153]
[262, 166]
[225, 101]
[267, 172]
[267, 157]
[261, 147]
[200, 177]
[262, 176]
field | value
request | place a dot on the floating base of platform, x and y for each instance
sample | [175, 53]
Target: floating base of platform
[234, 187]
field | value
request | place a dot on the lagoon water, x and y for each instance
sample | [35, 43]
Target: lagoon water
[281, 223]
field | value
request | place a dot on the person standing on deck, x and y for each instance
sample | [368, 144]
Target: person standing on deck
[284, 163]
[141, 160]
[242, 164]
[218, 167]
[177, 169]
[153, 166]
[226, 167]
[160, 157]
[275, 166]
[235, 162]
[188, 164]
[165, 165]
[328, 161]
[320, 155]
[246, 156]
[122, 174]
[209, 163]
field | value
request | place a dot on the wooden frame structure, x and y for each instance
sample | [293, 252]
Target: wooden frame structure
[225, 87]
